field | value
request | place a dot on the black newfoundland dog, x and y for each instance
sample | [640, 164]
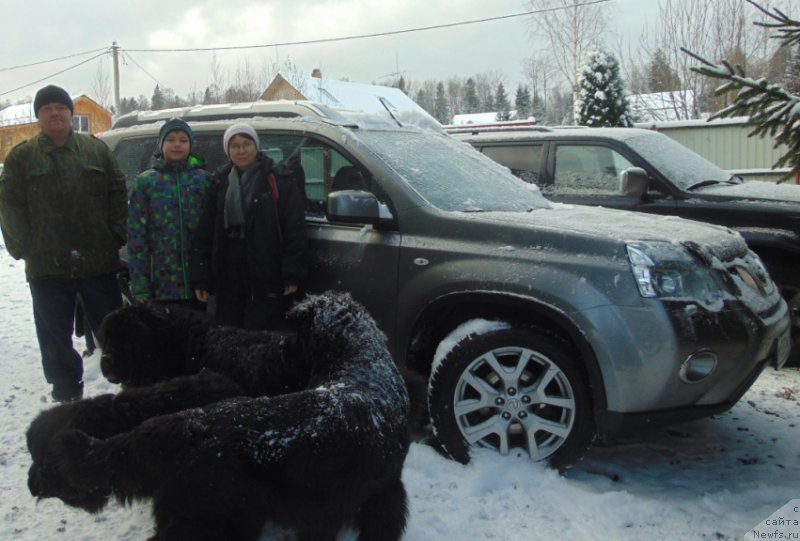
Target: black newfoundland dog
[313, 460]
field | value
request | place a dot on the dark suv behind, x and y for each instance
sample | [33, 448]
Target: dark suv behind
[537, 326]
[646, 171]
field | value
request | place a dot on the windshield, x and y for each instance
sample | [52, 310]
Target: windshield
[683, 167]
[452, 175]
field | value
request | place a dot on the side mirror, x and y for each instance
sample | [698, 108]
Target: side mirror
[353, 206]
[633, 182]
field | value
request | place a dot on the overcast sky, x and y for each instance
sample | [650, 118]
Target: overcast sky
[47, 29]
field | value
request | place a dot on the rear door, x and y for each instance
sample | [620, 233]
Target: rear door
[345, 257]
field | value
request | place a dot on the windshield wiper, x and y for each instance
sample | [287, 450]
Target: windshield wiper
[735, 179]
[704, 183]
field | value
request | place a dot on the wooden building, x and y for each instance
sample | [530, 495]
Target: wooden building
[350, 96]
[18, 122]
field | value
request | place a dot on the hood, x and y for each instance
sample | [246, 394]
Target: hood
[758, 191]
[625, 227]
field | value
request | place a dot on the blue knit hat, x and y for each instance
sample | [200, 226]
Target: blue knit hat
[171, 125]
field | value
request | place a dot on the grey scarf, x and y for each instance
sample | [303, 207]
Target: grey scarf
[239, 195]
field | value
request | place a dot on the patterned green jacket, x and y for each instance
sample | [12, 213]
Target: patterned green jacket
[63, 210]
[165, 206]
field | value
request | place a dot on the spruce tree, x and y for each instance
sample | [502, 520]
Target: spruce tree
[471, 101]
[661, 77]
[771, 108]
[600, 97]
[157, 101]
[501, 103]
[441, 111]
[522, 102]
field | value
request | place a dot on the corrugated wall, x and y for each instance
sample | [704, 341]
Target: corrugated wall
[726, 144]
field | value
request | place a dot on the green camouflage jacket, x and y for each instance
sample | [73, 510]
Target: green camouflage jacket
[63, 210]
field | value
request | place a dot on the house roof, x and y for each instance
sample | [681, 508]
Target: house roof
[355, 96]
[479, 118]
[662, 106]
[17, 114]
[23, 113]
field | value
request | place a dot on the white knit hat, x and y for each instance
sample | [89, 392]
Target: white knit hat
[239, 128]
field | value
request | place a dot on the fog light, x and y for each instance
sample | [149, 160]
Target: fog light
[698, 366]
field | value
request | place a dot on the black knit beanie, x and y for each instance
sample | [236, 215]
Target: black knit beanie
[51, 94]
[171, 125]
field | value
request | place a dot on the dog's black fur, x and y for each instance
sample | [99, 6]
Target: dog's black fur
[146, 343]
[313, 460]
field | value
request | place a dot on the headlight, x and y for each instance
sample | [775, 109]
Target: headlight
[668, 271]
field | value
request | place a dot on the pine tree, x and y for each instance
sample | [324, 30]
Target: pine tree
[424, 101]
[471, 101]
[501, 103]
[661, 77]
[601, 98]
[772, 109]
[157, 101]
[401, 84]
[441, 111]
[522, 102]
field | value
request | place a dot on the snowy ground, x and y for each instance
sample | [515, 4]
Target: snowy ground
[711, 479]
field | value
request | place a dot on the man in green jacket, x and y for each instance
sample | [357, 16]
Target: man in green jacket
[63, 209]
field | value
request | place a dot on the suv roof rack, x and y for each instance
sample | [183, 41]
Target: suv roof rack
[496, 127]
[227, 111]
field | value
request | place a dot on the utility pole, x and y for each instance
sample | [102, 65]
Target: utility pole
[115, 56]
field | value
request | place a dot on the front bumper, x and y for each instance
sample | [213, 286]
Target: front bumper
[640, 351]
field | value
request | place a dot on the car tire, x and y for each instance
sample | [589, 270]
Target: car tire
[789, 284]
[487, 393]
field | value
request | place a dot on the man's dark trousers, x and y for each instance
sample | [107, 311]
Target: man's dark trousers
[54, 300]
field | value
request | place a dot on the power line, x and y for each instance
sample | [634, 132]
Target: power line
[373, 35]
[52, 59]
[129, 57]
[53, 74]
[282, 44]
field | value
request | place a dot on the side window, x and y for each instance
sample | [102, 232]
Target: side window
[524, 161]
[317, 167]
[585, 168]
[134, 156]
[209, 147]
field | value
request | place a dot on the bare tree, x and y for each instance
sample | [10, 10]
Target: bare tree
[101, 89]
[682, 23]
[571, 28]
[485, 86]
[455, 92]
[540, 72]
[712, 28]
[246, 85]
[770, 108]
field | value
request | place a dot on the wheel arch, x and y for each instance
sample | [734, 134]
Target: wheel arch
[775, 245]
[442, 316]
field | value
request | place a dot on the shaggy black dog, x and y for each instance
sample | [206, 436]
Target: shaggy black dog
[169, 359]
[106, 415]
[146, 343]
[314, 460]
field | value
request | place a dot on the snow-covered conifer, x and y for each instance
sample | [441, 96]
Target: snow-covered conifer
[600, 97]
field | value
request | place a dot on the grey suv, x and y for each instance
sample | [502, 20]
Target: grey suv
[537, 325]
[646, 171]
